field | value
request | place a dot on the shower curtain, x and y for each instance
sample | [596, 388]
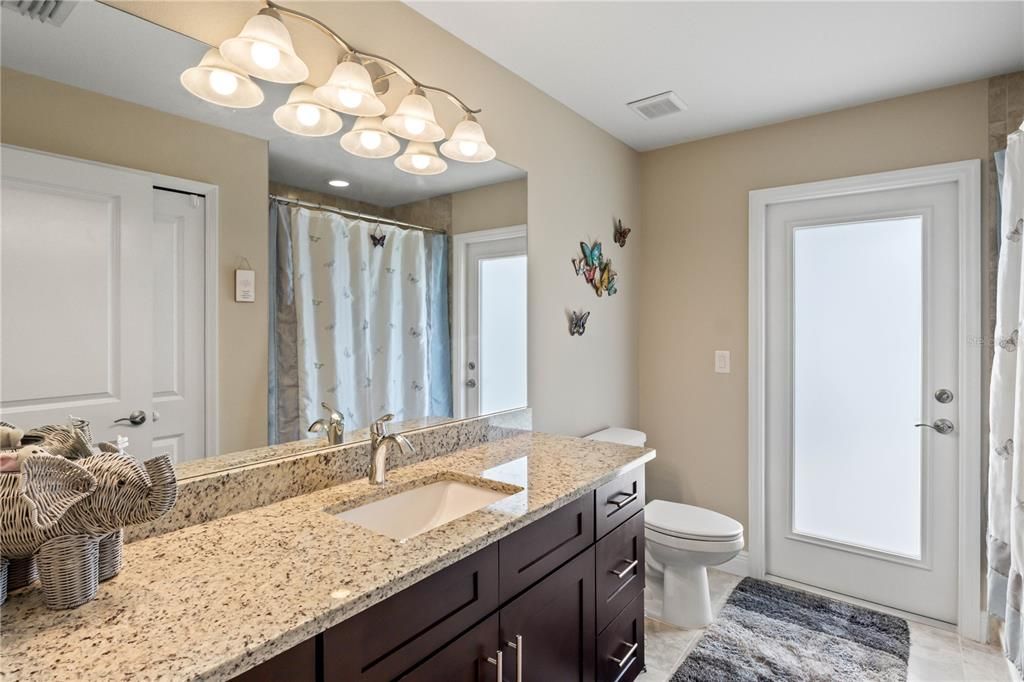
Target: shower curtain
[1006, 414]
[359, 325]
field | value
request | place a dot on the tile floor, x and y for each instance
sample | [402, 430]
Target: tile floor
[935, 655]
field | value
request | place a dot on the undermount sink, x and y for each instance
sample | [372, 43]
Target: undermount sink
[409, 513]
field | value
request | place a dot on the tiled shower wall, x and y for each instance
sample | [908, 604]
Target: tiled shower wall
[1005, 113]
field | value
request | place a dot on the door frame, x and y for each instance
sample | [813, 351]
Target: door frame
[971, 622]
[211, 269]
[460, 249]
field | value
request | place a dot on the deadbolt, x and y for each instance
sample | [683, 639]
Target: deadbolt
[944, 395]
[471, 365]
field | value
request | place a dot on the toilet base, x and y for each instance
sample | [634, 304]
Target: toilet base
[687, 597]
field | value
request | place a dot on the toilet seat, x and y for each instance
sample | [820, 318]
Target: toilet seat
[690, 545]
[687, 522]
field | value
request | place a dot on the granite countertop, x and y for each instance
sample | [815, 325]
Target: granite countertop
[213, 600]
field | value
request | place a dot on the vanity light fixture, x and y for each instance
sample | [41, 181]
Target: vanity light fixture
[218, 81]
[304, 115]
[420, 158]
[369, 139]
[468, 143]
[338, 183]
[414, 119]
[264, 49]
[350, 89]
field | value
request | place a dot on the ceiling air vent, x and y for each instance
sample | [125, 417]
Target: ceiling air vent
[47, 11]
[657, 106]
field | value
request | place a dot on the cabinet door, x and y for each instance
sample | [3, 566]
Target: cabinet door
[295, 665]
[555, 620]
[464, 660]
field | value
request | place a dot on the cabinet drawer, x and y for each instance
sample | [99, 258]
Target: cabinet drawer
[618, 500]
[620, 569]
[532, 552]
[620, 648]
[298, 664]
[391, 637]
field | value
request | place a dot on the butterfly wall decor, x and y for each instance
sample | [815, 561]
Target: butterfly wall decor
[595, 268]
[621, 233]
[578, 322]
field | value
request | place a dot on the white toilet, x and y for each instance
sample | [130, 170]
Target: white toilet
[682, 541]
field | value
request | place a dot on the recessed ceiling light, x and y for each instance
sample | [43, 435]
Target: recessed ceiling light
[338, 183]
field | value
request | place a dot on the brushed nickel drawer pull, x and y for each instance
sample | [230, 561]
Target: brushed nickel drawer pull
[518, 646]
[496, 662]
[627, 658]
[624, 572]
[622, 503]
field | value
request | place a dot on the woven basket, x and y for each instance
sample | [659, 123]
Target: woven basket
[69, 570]
[111, 555]
[21, 573]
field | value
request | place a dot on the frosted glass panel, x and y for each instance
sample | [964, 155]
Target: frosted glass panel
[502, 334]
[857, 362]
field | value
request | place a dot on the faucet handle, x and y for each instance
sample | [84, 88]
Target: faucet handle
[380, 427]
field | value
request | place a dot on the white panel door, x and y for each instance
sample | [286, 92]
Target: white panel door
[76, 324]
[862, 327]
[179, 326]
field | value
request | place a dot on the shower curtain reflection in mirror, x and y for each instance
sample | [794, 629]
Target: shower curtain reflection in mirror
[362, 327]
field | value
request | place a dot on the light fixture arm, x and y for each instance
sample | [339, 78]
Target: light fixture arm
[367, 55]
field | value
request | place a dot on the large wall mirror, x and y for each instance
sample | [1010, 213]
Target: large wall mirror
[376, 291]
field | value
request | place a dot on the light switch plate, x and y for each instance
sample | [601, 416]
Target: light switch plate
[245, 286]
[722, 362]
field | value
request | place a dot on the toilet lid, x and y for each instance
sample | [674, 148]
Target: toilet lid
[689, 522]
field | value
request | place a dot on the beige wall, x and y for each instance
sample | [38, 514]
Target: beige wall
[501, 205]
[694, 279]
[580, 179]
[49, 116]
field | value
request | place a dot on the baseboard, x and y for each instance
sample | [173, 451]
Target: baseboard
[738, 565]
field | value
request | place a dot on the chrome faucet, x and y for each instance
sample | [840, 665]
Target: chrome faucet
[334, 425]
[379, 439]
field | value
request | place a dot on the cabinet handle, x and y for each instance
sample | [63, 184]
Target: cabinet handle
[622, 503]
[624, 572]
[518, 646]
[496, 662]
[628, 657]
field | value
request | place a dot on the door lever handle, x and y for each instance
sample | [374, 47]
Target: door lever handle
[136, 418]
[943, 426]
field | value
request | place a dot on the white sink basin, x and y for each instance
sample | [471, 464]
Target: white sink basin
[409, 513]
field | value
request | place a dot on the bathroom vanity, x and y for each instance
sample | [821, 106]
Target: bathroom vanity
[548, 580]
[561, 599]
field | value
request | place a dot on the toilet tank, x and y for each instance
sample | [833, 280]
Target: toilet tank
[620, 435]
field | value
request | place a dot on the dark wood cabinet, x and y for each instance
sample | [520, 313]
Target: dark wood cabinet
[464, 660]
[555, 621]
[561, 600]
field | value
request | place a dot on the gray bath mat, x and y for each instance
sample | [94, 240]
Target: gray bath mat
[769, 632]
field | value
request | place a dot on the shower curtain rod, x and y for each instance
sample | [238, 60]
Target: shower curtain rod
[354, 214]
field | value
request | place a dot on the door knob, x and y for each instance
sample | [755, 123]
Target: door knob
[136, 418]
[942, 426]
[471, 383]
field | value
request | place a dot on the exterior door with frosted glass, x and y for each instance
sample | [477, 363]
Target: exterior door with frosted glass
[861, 348]
[495, 363]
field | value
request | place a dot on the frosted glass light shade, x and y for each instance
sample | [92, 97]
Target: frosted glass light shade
[304, 115]
[414, 119]
[350, 90]
[264, 49]
[420, 158]
[218, 81]
[468, 143]
[369, 139]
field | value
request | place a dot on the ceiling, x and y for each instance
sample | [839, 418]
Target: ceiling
[108, 51]
[737, 65]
